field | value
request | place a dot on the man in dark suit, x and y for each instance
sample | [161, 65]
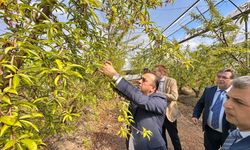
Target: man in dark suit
[237, 109]
[214, 123]
[148, 108]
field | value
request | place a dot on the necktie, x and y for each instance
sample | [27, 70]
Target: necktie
[231, 139]
[216, 110]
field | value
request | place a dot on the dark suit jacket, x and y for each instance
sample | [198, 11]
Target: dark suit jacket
[243, 144]
[148, 112]
[204, 104]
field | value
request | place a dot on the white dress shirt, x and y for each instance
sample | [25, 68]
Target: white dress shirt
[209, 120]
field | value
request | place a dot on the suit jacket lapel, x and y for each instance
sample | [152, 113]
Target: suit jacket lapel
[164, 85]
[211, 95]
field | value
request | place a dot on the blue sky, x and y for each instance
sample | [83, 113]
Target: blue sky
[164, 16]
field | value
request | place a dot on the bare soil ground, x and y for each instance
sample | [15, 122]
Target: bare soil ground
[100, 131]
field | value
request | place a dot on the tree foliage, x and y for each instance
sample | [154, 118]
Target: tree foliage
[225, 52]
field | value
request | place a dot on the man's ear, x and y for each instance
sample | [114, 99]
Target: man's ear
[154, 89]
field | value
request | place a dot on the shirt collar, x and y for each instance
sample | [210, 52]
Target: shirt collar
[245, 134]
[163, 79]
[227, 90]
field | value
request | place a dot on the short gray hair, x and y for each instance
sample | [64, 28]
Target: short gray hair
[241, 82]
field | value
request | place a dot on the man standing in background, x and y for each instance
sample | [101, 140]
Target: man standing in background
[214, 123]
[168, 87]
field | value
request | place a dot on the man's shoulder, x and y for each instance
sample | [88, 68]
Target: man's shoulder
[169, 79]
[158, 95]
[159, 98]
[242, 144]
[211, 87]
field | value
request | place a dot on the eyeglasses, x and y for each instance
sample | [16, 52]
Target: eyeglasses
[143, 79]
[223, 77]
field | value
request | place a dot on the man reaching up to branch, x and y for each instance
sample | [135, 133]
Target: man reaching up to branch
[148, 108]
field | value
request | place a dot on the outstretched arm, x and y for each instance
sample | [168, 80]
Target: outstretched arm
[155, 103]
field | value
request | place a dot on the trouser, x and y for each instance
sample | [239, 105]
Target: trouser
[213, 139]
[172, 132]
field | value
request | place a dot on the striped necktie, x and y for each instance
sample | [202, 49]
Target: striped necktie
[216, 109]
[231, 139]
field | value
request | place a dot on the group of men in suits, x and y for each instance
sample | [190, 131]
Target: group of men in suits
[225, 107]
[149, 108]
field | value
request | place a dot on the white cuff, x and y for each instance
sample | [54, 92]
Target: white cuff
[117, 78]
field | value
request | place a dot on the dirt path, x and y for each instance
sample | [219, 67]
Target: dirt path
[190, 135]
[102, 130]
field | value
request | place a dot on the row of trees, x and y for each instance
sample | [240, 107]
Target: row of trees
[197, 68]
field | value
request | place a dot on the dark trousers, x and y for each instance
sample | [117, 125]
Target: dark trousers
[172, 132]
[213, 139]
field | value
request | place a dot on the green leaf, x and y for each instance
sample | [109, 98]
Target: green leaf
[39, 99]
[146, 133]
[26, 104]
[19, 146]
[26, 78]
[76, 114]
[95, 3]
[9, 76]
[3, 129]
[120, 119]
[28, 123]
[30, 144]
[25, 117]
[10, 90]
[56, 79]
[40, 142]
[74, 73]
[9, 144]
[43, 72]
[37, 115]
[11, 67]
[7, 49]
[16, 81]
[59, 64]
[75, 65]
[10, 120]
[123, 132]
[6, 99]
[65, 118]
[33, 115]
[28, 51]
[25, 136]
[58, 102]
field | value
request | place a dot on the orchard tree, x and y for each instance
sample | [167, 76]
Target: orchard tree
[225, 52]
[224, 31]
